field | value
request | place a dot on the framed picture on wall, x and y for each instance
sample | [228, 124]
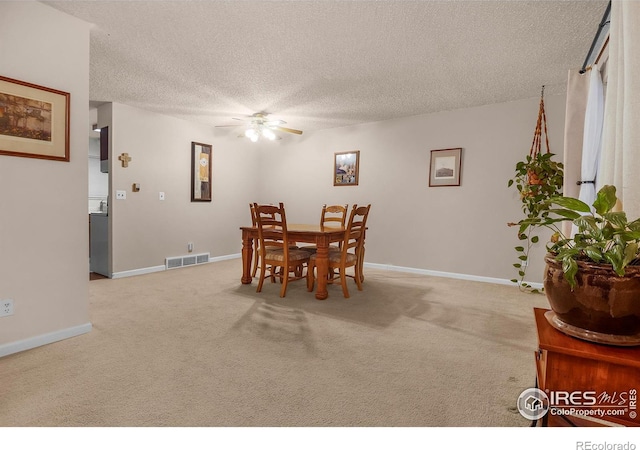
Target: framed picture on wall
[345, 168]
[201, 155]
[445, 167]
[34, 121]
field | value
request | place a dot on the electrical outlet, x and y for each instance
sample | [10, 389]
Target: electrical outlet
[121, 195]
[6, 307]
[161, 195]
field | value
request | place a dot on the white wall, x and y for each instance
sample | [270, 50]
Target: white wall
[458, 230]
[43, 204]
[146, 230]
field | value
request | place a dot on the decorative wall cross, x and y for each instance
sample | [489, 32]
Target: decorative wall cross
[125, 158]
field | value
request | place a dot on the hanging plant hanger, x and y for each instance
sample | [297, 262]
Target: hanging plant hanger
[538, 178]
[536, 145]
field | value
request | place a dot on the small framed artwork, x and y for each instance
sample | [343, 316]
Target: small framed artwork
[201, 155]
[34, 121]
[346, 166]
[445, 167]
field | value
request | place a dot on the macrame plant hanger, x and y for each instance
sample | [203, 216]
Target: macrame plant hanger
[536, 145]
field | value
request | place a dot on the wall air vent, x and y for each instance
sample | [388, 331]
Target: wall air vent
[187, 260]
[172, 263]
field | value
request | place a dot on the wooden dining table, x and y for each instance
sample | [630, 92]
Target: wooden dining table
[321, 236]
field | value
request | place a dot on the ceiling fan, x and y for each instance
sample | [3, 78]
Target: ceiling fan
[260, 125]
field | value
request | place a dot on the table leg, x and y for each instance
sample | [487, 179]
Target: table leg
[247, 254]
[361, 256]
[361, 264]
[322, 267]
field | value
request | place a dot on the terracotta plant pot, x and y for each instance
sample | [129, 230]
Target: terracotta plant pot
[603, 307]
[533, 178]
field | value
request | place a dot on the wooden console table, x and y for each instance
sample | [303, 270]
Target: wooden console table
[565, 363]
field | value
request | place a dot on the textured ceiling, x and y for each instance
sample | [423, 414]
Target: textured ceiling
[321, 64]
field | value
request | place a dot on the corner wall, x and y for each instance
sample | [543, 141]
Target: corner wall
[447, 230]
[44, 250]
[145, 230]
[459, 230]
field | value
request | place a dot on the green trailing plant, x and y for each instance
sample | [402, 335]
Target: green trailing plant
[538, 179]
[602, 236]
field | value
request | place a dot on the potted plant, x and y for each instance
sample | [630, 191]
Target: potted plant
[592, 277]
[538, 179]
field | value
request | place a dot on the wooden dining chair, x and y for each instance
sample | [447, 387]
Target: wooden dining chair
[360, 254]
[256, 243]
[332, 215]
[348, 255]
[276, 257]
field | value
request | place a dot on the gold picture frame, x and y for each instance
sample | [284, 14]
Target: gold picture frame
[346, 167]
[34, 121]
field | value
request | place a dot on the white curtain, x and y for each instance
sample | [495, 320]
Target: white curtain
[620, 159]
[577, 92]
[592, 136]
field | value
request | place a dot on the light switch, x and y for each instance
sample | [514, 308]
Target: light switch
[121, 195]
[161, 196]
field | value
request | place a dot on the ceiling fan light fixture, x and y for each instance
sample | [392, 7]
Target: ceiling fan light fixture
[260, 128]
[252, 134]
[267, 133]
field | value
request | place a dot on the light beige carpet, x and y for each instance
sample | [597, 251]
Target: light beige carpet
[194, 347]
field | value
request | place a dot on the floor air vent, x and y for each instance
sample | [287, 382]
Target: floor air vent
[188, 260]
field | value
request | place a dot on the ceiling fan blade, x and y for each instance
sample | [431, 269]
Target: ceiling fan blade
[244, 121]
[288, 130]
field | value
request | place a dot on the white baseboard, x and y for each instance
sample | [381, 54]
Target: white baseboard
[433, 273]
[145, 270]
[44, 339]
[134, 272]
[436, 273]
[225, 257]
